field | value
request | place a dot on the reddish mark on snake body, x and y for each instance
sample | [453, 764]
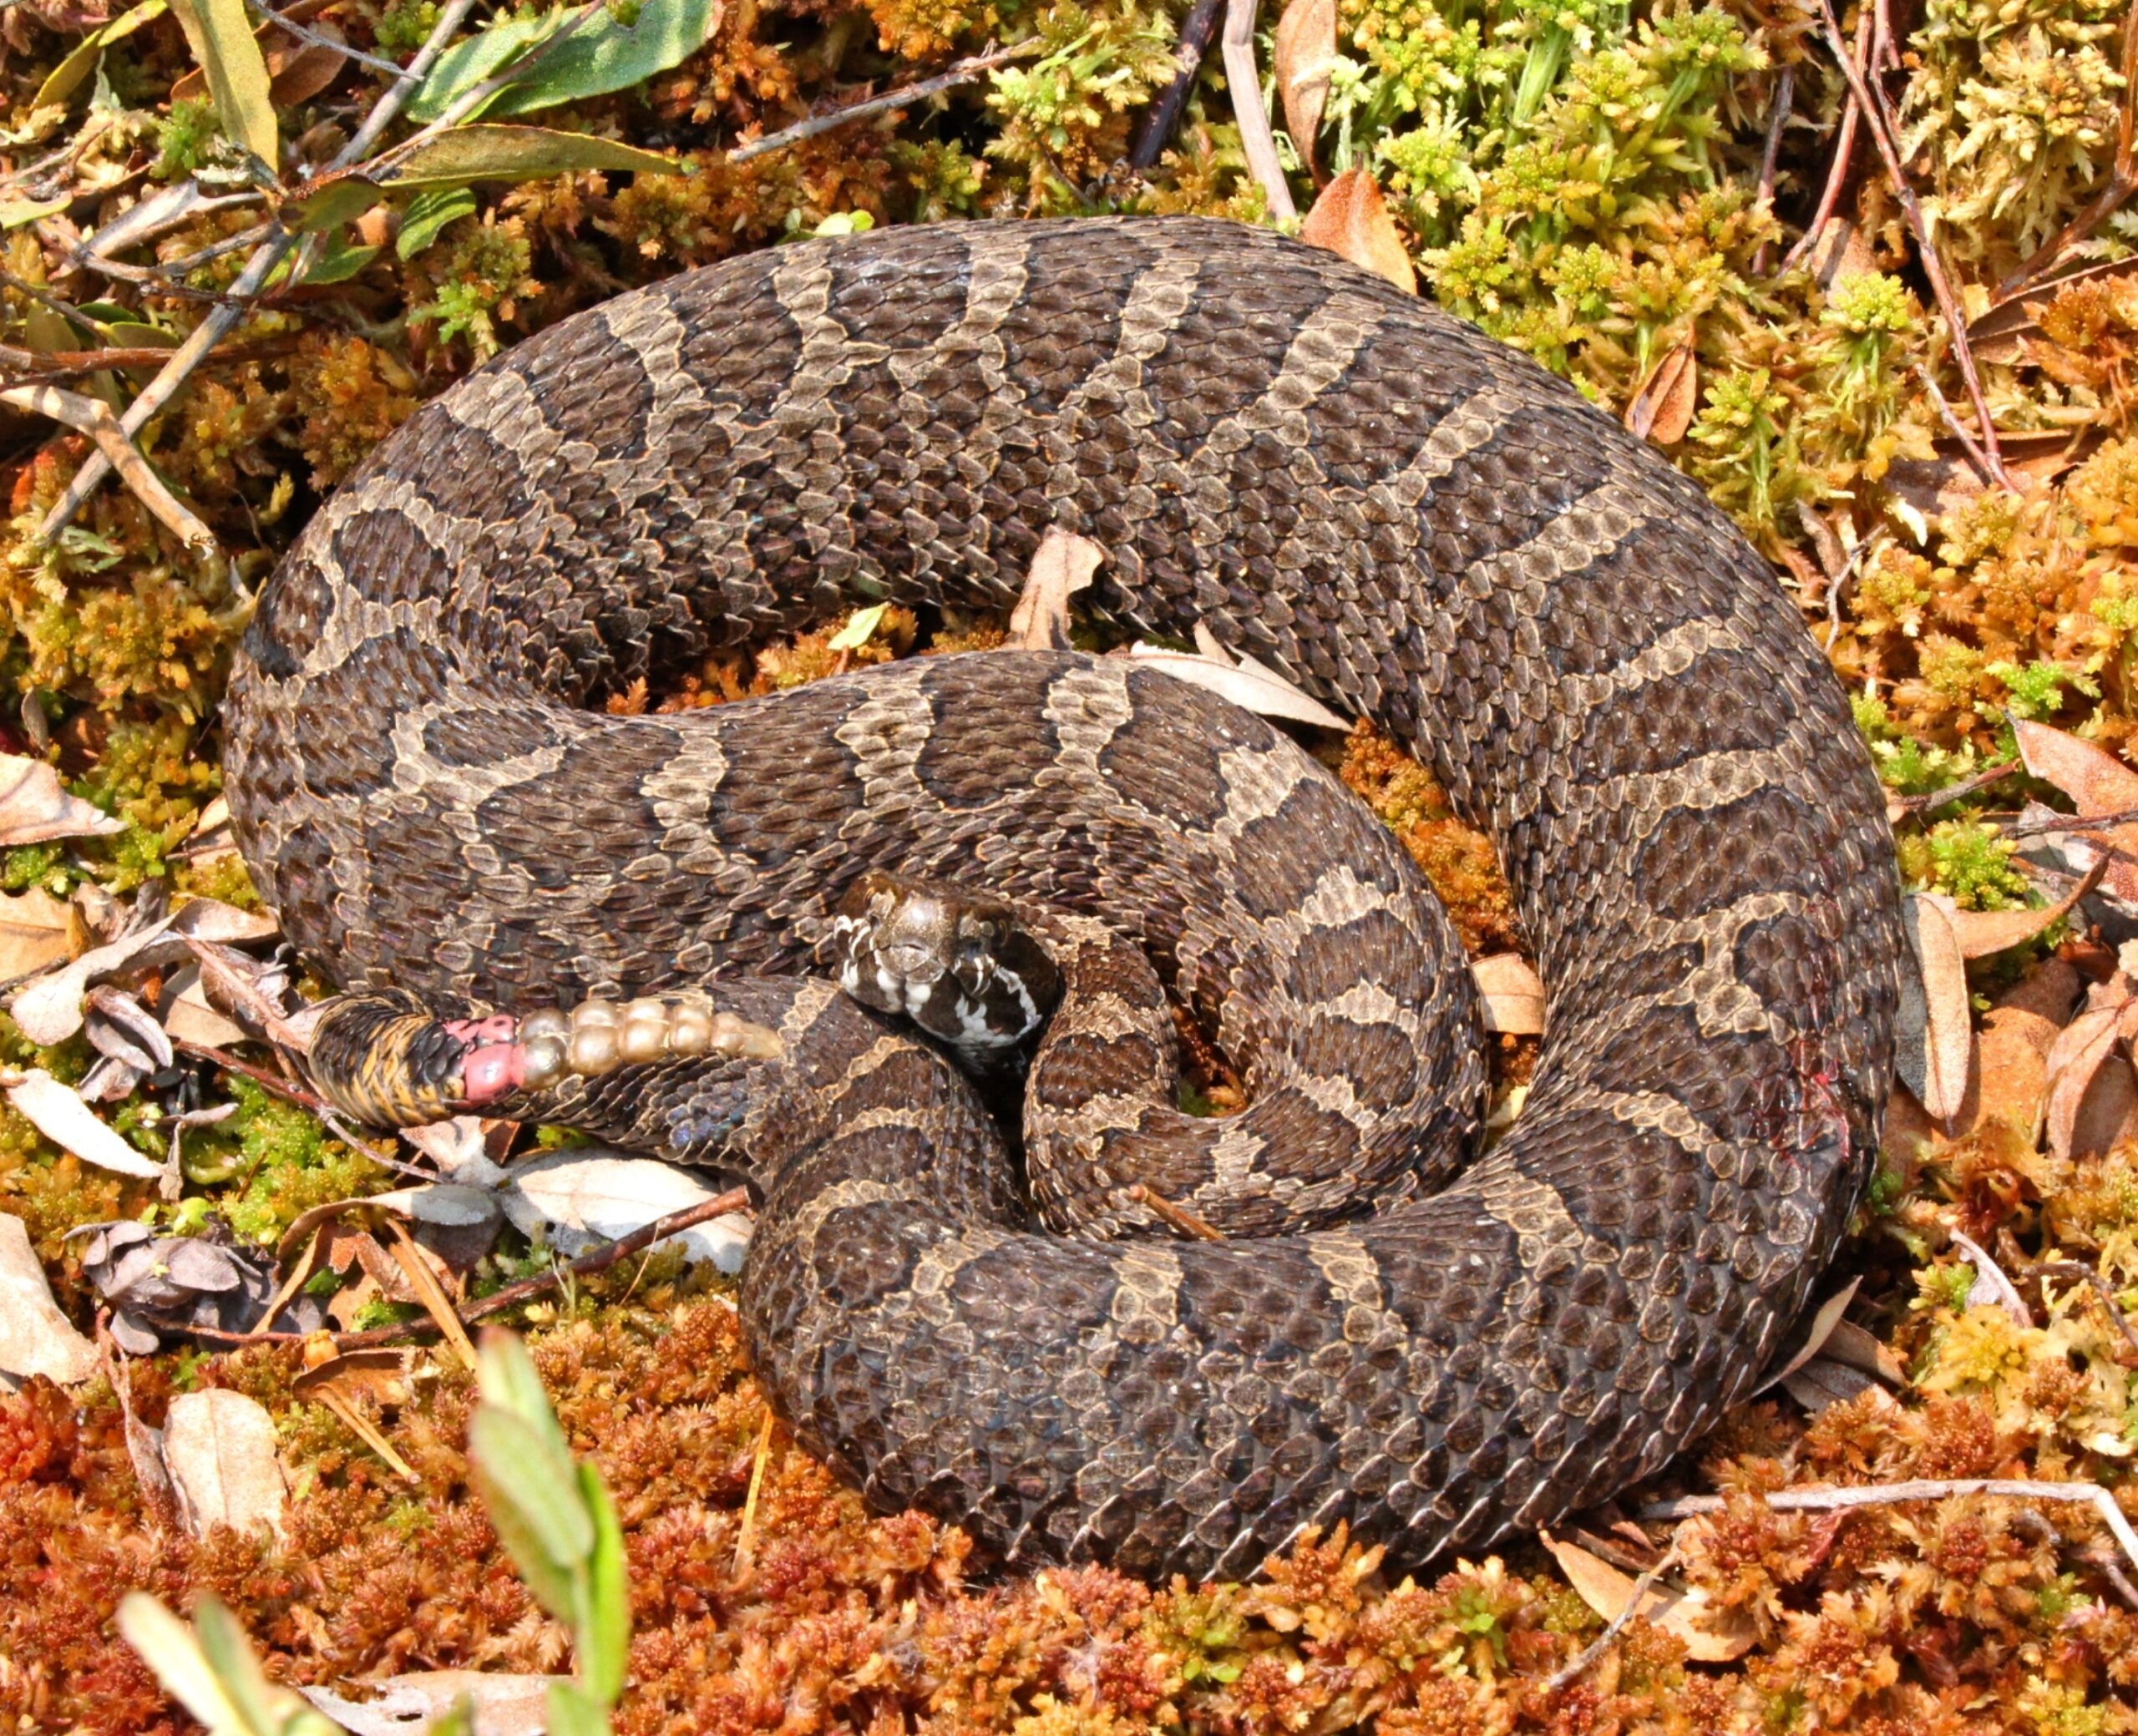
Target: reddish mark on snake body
[492, 1070]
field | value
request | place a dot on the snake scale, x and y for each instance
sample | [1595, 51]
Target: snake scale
[1415, 524]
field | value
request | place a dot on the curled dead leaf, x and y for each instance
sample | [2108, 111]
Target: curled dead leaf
[1062, 564]
[1662, 409]
[2098, 784]
[57, 1111]
[34, 934]
[1251, 685]
[35, 1337]
[1351, 218]
[1934, 1033]
[2092, 1092]
[1710, 1635]
[34, 809]
[1982, 933]
[1303, 53]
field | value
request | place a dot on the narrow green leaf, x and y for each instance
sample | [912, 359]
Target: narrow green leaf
[858, 630]
[229, 1654]
[508, 1380]
[605, 1636]
[340, 262]
[428, 213]
[221, 35]
[167, 1646]
[69, 75]
[534, 1501]
[17, 212]
[572, 1711]
[600, 57]
[518, 153]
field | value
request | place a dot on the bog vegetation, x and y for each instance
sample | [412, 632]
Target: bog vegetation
[1866, 276]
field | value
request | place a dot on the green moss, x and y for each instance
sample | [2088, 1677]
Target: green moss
[285, 1162]
[184, 136]
[1966, 859]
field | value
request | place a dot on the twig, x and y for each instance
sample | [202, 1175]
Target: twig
[1923, 804]
[585, 1266]
[1256, 141]
[1198, 30]
[1886, 1494]
[1778, 110]
[1878, 119]
[964, 72]
[1595, 1648]
[33, 368]
[313, 39]
[1177, 1218]
[224, 316]
[93, 417]
[2018, 828]
[1844, 154]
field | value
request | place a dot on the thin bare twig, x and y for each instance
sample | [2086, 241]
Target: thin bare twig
[33, 367]
[1870, 96]
[965, 71]
[1844, 155]
[1596, 1648]
[599, 1260]
[224, 316]
[1178, 1218]
[1778, 109]
[1256, 141]
[1198, 30]
[1932, 799]
[93, 417]
[313, 39]
[2018, 827]
[1886, 1495]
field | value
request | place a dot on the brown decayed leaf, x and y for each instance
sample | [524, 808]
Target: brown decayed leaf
[1062, 566]
[1982, 933]
[34, 809]
[35, 1337]
[1513, 994]
[1711, 1636]
[2012, 1050]
[505, 1705]
[2097, 783]
[1303, 53]
[2092, 1093]
[219, 1447]
[1662, 410]
[57, 1111]
[1935, 1035]
[1823, 1323]
[1828, 1380]
[1351, 218]
[33, 933]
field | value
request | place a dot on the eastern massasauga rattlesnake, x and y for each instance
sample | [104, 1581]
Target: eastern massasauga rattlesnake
[1414, 523]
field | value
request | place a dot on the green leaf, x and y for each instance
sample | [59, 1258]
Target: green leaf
[229, 1654]
[518, 153]
[599, 57]
[221, 37]
[340, 262]
[534, 1501]
[167, 1646]
[67, 77]
[333, 203]
[428, 213]
[574, 1712]
[17, 212]
[858, 630]
[604, 1633]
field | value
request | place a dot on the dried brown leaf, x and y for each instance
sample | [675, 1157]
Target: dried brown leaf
[1251, 685]
[35, 933]
[1823, 1323]
[1710, 1635]
[57, 1111]
[1513, 993]
[2084, 1064]
[1662, 409]
[34, 809]
[1935, 1035]
[1828, 1380]
[35, 1337]
[1982, 933]
[219, 1447]
[2097, 783]
[1351, 218]
[1062, 564]
[504, 1705]
[1302, 54]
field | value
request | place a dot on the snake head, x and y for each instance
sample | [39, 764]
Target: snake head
[959, 964]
